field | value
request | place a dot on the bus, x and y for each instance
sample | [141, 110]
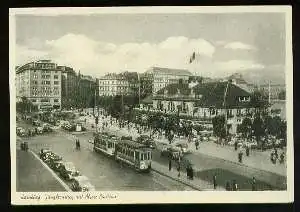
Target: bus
[105, 143]
[134, 154]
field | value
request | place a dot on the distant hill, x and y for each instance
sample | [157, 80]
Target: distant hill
[275, 76]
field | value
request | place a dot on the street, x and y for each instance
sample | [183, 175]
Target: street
[104, 173]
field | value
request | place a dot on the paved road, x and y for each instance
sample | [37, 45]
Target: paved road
[33, 176]
[104, 173]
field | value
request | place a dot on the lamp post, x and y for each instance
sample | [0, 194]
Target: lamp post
[96, 116]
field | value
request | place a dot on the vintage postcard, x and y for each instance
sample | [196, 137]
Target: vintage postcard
[151, 105]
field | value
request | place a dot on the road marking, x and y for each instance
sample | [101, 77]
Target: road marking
[52, 172]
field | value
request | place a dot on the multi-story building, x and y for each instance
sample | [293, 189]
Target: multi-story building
[114, 84]
[40, 82]
[166, 76]
[146, 84]
[69, 86]
[206, 100]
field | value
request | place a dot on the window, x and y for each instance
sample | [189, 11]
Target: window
[56, 82]
[35, 82]
[47, 82]
[55, 76]
[35, 76]
[56, 100]
[45, 100]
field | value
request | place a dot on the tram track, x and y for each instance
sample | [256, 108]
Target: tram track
[158, 178]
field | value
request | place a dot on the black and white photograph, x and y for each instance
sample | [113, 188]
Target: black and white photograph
[151, 105]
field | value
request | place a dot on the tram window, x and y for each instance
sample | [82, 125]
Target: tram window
[136, 155]
[142, 156]
[148, 155]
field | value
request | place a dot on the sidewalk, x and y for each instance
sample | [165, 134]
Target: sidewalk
[32, 176]
[196, 183]
[257, 160]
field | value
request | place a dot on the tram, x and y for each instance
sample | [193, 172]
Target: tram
[105, 143]
[134, 154]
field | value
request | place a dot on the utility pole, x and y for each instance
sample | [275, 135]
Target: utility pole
[94, 114]
[224, 105]
[139, 81]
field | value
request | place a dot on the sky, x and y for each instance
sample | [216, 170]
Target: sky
[101, 43]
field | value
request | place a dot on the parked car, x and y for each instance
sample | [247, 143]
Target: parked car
[20, 131]
[81, 183]
[36, 123]
[171, 152]
[68, 171]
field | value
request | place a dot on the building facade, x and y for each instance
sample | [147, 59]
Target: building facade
[40, 82]
[114, 84]
[69, 86]
[205, 101]
[166, 76]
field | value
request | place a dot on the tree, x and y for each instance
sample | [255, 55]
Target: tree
[219, 126]
[258, 128]
[259, 100]
[245, 128]
[25, 106]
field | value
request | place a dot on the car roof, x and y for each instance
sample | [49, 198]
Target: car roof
[81, 178]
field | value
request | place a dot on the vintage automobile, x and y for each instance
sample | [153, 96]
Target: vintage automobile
[81, 183]
[20, 131]
[36, 123]
[171, 152]
[183, 146]
[68, 171]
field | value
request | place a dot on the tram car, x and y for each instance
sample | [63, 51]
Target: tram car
[134, 154]
[105, 143]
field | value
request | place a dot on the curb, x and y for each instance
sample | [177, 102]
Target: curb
[52, 172]
[178, 180]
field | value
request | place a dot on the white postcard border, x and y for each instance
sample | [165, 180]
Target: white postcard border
[129, 197]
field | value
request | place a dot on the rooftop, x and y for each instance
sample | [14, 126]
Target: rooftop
[173, 71]
[208, 94]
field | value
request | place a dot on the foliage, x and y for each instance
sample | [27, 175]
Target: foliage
[219, 126]
[245, 128]
[25, 106]
[259, 100]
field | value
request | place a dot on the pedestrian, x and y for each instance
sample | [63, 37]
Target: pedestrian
[197, 144]
[235, 145]
[253, 184]
[240, 156]
[215, 181]
[178, 169]
[275, 153]
[191, 173]
[234, 185]
[247, 151]
[281, 161]
[170, 165]
[228, 187]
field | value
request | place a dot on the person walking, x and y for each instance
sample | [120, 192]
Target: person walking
[215, 181]
[240, 156]
[235, 145]
[247, 150]
[281, 161]
[170, 165]
[197, 144]
[234, 186]
[253, 184]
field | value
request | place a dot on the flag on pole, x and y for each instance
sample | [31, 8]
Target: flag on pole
[192, 58]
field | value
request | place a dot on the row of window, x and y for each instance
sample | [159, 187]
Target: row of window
[118, 82]
[113, 88]
[43, 100]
